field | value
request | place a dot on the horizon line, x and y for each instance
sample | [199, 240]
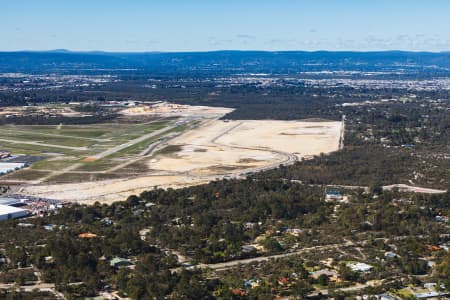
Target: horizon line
[219, 50]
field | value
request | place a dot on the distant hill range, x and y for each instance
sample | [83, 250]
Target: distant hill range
[223, 62]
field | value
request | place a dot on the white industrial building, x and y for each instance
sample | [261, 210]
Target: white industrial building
[11, 201]
[11, 212]
[6, 167]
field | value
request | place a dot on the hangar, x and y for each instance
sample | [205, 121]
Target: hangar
[11, 201]
[7, 167]
[10, 212]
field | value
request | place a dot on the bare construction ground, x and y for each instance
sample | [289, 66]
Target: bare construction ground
[213, 149]
[237, 147]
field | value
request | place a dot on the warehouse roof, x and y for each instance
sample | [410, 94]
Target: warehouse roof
[5, 209]
[9, 201]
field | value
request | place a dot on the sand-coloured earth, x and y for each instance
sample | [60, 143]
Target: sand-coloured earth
[214, 149]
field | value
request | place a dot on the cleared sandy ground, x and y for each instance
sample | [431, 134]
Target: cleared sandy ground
[201, 154]
[212, 160]
[241, 145]
[215, 149]
[297, 137]
[170, 109]
[108, 191]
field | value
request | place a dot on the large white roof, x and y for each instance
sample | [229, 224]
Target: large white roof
[9, 167]
[363, 267]
[5, 209]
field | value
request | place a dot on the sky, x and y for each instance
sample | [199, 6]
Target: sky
[205, 25]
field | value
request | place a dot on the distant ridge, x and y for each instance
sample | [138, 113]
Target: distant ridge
[220, 51]
[225, 61]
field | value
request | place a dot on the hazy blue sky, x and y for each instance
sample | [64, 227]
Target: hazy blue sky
[199, 25]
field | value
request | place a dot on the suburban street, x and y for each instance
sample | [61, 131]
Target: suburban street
[234, 263]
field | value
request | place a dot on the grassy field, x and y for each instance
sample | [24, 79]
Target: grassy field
[25, 174]
[75, 131]
[69, 145]
[97, 166]
[45, 138]
[39, 150]
[53, 164]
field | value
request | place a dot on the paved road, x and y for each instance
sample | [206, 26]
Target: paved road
[132, 142]
[50, 287]
[43, 287]
[346, 243]
[61, 135]
[58, 172]
[347, 289]
[401, 187]
[234, 263]
[151, 148]
[228, 130]
[144, 154]
[413, 189]
[342, 134]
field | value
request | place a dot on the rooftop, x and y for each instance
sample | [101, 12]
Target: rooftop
[87, 235]
[5, 209]
[119, 261]
[361, 267]
[9, 201]
[430, 295]
[333, 193]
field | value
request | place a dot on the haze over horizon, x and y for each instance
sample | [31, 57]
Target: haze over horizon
[201, 25]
